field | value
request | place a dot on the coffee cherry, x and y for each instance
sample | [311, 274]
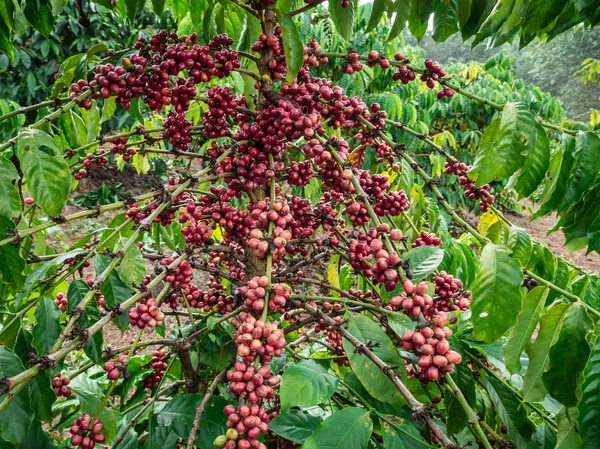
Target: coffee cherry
[60, 386]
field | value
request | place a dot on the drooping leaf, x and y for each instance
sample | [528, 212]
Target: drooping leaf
[12, 266]
[48, 176]
[132, 269]
[536, 164]
[496, 293]
[533, 389]
[40, 387]
[500, 150]
[292, 45]
[543, 438]
[520, 335]
[445, 20]
[540, 14]
[520, 244]
[39, 14]
[306, 384]
[568, 357]
[589, 407]
[402, 13]
[349, 427]
[402, 436]
[18, 415]
[47, 326]
[419, 17]
[343, 18]
[377, 12]
[567, 436]
[373, 379]
[584, 169]
[295, 425]
[513, 415]
[10, 203]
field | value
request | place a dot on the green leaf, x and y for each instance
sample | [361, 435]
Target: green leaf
[6, 44]
[350, 427]
[292, 45]
[589, 407]
[7, 10]
[38, 438]
[90, 394]
[520, 244]
[40, 387]
[496, 293]
[568, 357]
[48, 176]
[567, 436]
[419, 17]
[295, 425]
[132, 269]
[377, 12]
[16, 418]
[113, 288]
[555, 186]
[445, 20]
[584, 170]
[509, 409]
[132, 7]
[424, 260]
[12, 266]
[536, 165]
[134, 110]
[540, 14]
[402, 436]
[47, 327]
[343, 18]
[543, 438]
[457, 418]
[402, 11]
[520, 335]
[10, 202]
[39, 14]
[373, 379]
[533, 389]
[306, 384]
[500, 148]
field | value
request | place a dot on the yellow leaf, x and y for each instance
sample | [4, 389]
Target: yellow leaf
[333, 272]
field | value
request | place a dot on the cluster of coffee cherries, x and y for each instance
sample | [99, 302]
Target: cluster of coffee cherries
[334, 340]
[86, 434]
[258, 339]
[146, 314]
[404, 74]
[115, 367]
[60, 385]
[312, 55]
[91, 161]
[431, 344]
[414, 300]
[374, 58]
[433, 73]
[299, 173]
[158, 363]
[353, 64]
[245, 424]
[221, 103]
[427, 239]
[460, 169]
[119, 146]
[182, 274]
[450, 295]
[369, 257]
[255, 293]
[274, 43]
[61, 301]
[252, 384]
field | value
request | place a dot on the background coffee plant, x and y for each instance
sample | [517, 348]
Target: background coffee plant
[303, 275]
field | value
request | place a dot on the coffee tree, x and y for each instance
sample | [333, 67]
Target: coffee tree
[279, 288]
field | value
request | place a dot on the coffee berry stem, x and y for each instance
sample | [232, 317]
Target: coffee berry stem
[457, 89]
[471, 415]
[366, 305]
